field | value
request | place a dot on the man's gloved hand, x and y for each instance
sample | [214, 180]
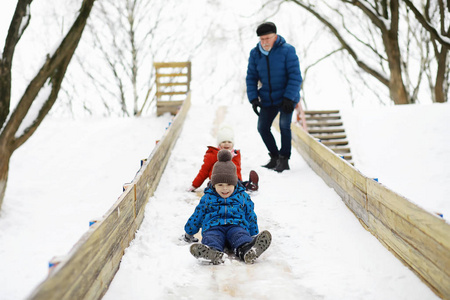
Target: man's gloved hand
[287, 105]
[190, 238]
[255, 103]
[191, 189]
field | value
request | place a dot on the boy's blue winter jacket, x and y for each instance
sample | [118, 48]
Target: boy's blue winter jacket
[214, 210]
[279, 73]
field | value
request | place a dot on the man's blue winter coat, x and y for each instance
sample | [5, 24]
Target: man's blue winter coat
[279, 73]
[214, 210]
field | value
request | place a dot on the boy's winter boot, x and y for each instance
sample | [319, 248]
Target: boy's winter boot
[252, 184]
[207, 253]
[249, 252]
[273, 161]
[282, 164]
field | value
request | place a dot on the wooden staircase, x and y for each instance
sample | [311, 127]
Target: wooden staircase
[328, 128]
[173, 81]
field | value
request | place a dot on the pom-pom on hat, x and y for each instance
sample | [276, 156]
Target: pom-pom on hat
[225, 133]
[224, 170]
[266, 28]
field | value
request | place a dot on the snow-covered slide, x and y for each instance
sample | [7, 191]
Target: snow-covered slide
[319, 249]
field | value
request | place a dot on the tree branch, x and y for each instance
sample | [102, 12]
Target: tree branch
[14, 34]
[50, 69]
[428, 27]
[382, 78]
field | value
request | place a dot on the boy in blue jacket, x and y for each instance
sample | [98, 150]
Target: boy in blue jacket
[226, 216]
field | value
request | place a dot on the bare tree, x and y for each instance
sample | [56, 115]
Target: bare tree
[435, 18]
[47, 80]
[125, 36]
[373, 31]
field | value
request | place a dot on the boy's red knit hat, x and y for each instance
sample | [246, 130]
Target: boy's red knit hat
[224, 170]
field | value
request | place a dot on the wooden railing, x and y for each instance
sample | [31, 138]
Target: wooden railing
[419, 239]
[88, 269]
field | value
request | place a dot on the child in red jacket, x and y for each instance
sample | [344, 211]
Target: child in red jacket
[225, 140]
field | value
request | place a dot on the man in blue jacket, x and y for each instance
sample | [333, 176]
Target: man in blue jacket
[273, 84]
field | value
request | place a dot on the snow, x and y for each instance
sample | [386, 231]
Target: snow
[71, 172]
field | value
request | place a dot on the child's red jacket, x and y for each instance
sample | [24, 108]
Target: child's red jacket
[209, 160]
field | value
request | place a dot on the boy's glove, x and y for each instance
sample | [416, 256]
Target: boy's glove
[190, 238]
[287, 105]
[255, 103]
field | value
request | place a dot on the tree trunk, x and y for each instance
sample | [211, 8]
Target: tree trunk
[439, 87]
[52, 71]
[397, 88]
[5, 154]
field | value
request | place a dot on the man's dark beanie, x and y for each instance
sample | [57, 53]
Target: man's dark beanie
[266, 28]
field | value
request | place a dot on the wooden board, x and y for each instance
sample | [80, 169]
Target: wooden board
[168, 106]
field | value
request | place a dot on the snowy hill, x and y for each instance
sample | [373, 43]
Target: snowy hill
[319, 250]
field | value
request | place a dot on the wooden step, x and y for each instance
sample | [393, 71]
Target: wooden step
[325, 130]
[321, 118]
[335, 143]
[327, 127]
[340, 149]
[329, 136]
[320, 112]
[322, 124]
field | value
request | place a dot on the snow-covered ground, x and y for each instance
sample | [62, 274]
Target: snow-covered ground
[72, 171]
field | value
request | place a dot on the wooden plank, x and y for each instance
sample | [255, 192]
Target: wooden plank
[329, 136]
[416, 261]
[168, 106]
[411, 234]
[149, 175]
[76, 275]
[326, 130]
[318, 112]
[335, 142]
[171, 64]
[159, 94]
[172, 84]
[433, 226]
[351, 187]
[322, 124]
[320, 167]
[321, 118]
[180, 74]
[340, 150]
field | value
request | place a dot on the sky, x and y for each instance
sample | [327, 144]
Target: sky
[72, 170]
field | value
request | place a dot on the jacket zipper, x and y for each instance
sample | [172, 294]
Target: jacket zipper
[225, 211]
[268, 73]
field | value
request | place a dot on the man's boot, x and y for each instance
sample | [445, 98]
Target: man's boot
[282, 164]
[273, 161]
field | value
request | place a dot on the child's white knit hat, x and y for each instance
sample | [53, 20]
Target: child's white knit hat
[225, 133]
